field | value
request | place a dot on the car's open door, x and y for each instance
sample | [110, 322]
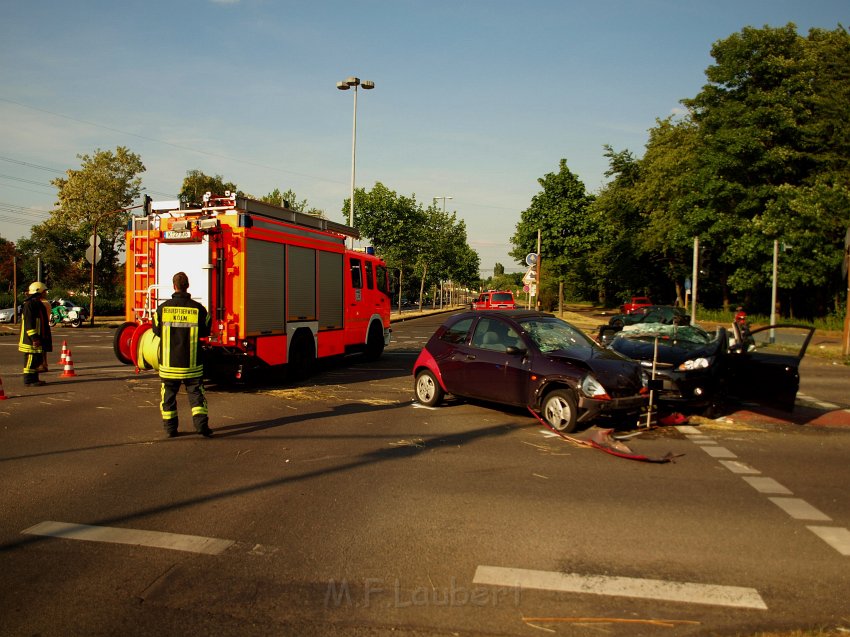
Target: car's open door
[764, 364]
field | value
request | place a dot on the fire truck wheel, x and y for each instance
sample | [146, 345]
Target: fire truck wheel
[374, 343]
[427, 388]
[302, 356]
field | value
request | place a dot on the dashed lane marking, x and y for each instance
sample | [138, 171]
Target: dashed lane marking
[718, 452]
[738, 467]
[837, 538]
[800, 509]
[767, 485]
[136, 537]
[659, 590]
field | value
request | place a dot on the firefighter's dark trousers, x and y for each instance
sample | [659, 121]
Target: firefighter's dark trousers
[197, 399]
[32, 362]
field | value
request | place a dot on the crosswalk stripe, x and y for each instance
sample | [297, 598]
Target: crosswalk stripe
[659, 590]
[136, 537]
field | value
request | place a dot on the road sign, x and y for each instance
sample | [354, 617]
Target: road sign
[531, 259]
[90, 255]
[94, 244]
[530, 277]
[532, 289]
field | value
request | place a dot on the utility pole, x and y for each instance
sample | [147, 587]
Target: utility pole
[694, 276]
[537, 299]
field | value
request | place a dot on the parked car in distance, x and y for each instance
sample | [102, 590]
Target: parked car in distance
[494, 300]
[8, 315]
[528, 358]
[634, 304]
[697, 371]
[665, 314]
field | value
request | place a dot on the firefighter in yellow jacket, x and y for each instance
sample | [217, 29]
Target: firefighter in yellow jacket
[36, 338]
[180, 323]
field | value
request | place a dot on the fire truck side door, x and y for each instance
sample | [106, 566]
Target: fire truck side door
[357, 314]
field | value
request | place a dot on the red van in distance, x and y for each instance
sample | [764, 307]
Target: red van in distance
[494, 300]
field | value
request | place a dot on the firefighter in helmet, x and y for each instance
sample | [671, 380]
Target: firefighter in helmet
[180, 323]
[36, 338]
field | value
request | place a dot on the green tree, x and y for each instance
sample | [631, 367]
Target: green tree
[773, 142]
[95, 199]
[196, 184]
[618, 267]
[568, 231]
[290, 199]
[394, 223]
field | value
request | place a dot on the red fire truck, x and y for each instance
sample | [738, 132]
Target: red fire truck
[280, 286]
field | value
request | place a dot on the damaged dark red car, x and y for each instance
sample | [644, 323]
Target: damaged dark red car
[528, 358]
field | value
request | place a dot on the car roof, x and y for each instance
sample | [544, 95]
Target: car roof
[515, 315]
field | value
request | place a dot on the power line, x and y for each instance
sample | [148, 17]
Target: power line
[26, 163]
[173, 145]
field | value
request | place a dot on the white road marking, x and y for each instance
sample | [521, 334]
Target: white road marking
[736, 466]
[734, 596]
[800, 509]
[837, 538]
[816, 401]
[718, 452]
[688, 429]
[549, 434]
[136, 537]
[767, 485]
[421, 406]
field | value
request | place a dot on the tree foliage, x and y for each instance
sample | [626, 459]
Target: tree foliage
[95, 197]
[762, 155]
[568, 231]
[196, 184]
[290, 199]
[428, 243]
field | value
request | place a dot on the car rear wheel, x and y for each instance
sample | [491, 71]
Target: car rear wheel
[559, 410]
[427, 388]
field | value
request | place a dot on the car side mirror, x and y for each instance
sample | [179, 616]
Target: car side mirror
[511, 349]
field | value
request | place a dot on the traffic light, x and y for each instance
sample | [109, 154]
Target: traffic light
[148, 205]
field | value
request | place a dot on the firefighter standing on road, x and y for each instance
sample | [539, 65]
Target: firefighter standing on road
[180, 323]
[36, 338]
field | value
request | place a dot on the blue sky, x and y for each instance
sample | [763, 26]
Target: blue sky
[474, 99]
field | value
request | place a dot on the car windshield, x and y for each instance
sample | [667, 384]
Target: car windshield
[552, 334]
[675, 333]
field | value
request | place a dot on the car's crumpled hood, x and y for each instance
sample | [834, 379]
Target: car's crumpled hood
[670, 351]
[610, 368]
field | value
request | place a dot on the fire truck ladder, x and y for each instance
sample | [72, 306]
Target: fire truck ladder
[144, 266]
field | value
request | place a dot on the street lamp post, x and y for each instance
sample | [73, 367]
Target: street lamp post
[444, 201]
[353, 82]
[444, 197]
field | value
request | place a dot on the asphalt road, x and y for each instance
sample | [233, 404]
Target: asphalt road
[340, 507]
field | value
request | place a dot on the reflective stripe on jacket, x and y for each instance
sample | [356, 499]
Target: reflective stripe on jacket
[180, 322]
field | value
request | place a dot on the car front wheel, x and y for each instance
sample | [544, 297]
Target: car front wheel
[559, 410]
[427, 388]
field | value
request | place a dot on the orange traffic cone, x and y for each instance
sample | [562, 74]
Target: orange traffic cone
[69, 366]
[3, 395]
[64, 352]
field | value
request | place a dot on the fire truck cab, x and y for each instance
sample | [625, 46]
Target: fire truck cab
[280, 286]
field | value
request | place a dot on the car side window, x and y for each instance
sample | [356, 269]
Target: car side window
[456, 334]
[494, 335]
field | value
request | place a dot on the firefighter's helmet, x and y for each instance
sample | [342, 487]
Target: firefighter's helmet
[37, 287]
